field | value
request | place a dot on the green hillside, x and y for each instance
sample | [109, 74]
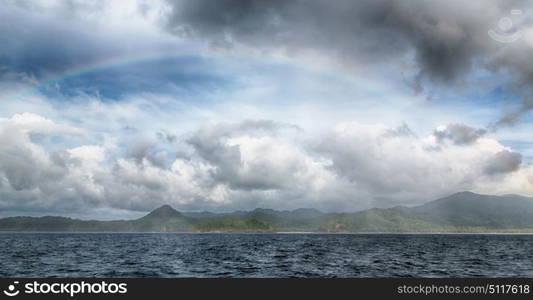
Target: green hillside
[461, 212]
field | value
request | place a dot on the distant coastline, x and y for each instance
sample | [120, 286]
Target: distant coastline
[460, 213]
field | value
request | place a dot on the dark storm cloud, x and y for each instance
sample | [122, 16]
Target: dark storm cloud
[459, 134]
[447, 39]
[444, 38]
[503, 162]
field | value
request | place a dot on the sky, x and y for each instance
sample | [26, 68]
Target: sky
[109, 109]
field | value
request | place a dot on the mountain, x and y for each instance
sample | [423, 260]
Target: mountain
[460, 212]
[306, 213]
[164, 212]
[162, 219]
[470, 209]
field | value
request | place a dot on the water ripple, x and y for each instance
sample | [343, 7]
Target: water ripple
[264, 255]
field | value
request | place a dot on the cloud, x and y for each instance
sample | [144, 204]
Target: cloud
[407, 167]
[166, 137]
[459, 134]
[248, 164]
[236, 132]
[141, 148]
[429, 45]
[517, 114]
[35, 124]
[445, 36]
[57, 46]
[504, 161]
[439, 42]
[25, 167]
[381, 36]
[247, 155]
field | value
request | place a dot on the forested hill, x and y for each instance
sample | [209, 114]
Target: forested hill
[460, 212]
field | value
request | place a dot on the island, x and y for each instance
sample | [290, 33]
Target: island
[463, 212]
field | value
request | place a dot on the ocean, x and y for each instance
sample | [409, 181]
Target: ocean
[264, 255]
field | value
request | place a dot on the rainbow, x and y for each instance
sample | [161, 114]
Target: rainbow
[119, 61]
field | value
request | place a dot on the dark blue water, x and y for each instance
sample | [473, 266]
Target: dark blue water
[264, 255]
